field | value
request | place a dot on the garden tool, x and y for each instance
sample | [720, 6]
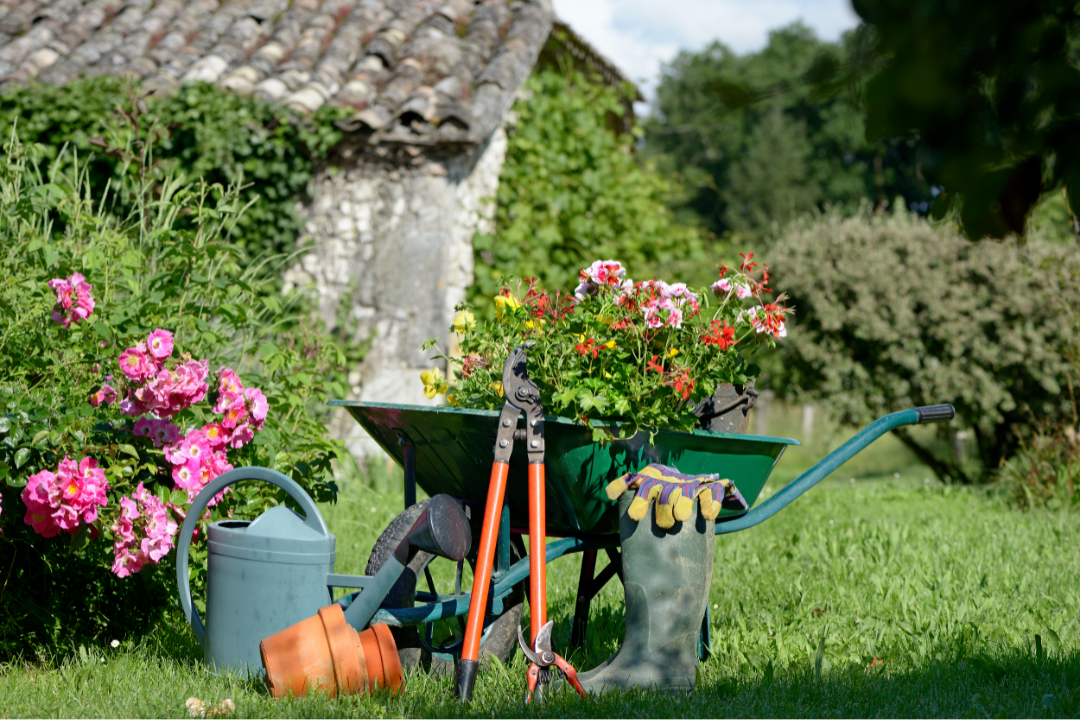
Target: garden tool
[522, 395]
[332, 650]
[261, 576]
[266, 575]
[542, 657]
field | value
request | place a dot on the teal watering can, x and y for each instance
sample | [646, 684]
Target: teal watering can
[262, 576]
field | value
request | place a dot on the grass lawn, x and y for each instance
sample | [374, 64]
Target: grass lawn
[970, 608]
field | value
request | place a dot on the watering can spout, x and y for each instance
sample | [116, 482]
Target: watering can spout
[832, 461]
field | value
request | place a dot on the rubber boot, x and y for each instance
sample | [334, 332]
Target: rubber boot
[667, 575]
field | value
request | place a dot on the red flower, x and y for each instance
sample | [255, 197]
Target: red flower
[748, 263]
[472, 362]
[653, 365]
[682, 383]
[721, 335]
[588, 347]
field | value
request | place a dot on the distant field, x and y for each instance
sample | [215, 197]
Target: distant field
[970, 608]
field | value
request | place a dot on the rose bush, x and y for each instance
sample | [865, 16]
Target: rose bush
[139, 359]
[642, 354]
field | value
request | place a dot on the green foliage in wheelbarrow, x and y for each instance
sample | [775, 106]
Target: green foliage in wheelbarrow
[891, 312]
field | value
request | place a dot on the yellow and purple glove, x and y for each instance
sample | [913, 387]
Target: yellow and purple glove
[675, 493]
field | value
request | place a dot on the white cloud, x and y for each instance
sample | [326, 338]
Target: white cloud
[639, 35]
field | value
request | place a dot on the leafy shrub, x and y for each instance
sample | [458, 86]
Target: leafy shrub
[166, 266]
[1046, 469]
[205, 133]
[891, 312]
[571, 190]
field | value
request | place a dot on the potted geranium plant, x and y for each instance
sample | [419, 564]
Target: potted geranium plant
[636, 355]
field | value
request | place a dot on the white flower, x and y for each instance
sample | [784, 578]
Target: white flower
[114, 644]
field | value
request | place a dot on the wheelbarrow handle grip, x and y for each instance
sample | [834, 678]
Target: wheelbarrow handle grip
[935, 413]
[183, 546]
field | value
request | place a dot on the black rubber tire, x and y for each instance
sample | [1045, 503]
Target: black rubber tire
[502, 637]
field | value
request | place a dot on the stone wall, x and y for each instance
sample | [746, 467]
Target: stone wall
[392, 240]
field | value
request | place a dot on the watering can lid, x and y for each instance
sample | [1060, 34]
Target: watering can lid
[278, 530]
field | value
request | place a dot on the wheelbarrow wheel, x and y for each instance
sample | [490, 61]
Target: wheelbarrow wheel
[500, 640]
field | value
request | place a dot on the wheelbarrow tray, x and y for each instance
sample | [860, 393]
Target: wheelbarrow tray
[454, 449]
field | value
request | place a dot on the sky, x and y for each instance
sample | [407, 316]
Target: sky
[639, 35]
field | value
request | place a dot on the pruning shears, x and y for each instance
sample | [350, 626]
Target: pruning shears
[542, 657]
[522, 396]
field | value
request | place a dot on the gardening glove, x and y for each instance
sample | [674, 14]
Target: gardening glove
[675, 493]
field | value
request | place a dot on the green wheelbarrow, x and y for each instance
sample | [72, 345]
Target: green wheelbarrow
[449, 451]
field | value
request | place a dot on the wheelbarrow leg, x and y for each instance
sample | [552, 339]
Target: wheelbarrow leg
[588, 587]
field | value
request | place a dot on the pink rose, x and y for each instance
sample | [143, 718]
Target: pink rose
[229, 389]
[257, 406]
[63, 500]
[160, 343]
[73, 299]
[215, 435]
[137, 364]
[105, 395]
[235, 414]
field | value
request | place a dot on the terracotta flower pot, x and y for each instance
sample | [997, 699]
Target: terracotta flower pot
[325, 652]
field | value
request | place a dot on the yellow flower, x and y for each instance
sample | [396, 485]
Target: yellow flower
[504, 303]
[673, 352]
[610, 345]
[497, 387]
[464, 321]
[451, 399]
[433, 383]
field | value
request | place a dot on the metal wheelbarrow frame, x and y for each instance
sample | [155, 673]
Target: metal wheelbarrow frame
[448, 450]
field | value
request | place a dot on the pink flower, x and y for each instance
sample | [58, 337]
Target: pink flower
[662, 312]
[186, 477]
[241, 435]
[257, 406]
[137, 364]
[63, 500]
[215, 435]
[229, 389]
[235, 414]
[73, 299]
[144, 532]
[105, 395]
[172, 391]
[192, 448]
[160, 343]
[162, 432]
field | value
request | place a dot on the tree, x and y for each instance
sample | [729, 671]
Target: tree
[993, 92]
[761, 145]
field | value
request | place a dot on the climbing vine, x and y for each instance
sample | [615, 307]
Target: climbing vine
[204, 133]
[571, 191]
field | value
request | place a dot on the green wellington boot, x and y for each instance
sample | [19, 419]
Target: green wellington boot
[667, 575]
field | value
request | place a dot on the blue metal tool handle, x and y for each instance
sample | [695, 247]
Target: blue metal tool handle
[839, 456]
[311, 517]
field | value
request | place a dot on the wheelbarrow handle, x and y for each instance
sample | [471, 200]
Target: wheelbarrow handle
[786, 495]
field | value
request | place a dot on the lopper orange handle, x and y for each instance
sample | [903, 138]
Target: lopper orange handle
[537, 549]
[485, 558]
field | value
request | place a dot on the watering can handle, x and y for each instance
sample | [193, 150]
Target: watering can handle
[311, 515]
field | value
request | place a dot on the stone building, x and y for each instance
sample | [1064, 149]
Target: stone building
[430, 83]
